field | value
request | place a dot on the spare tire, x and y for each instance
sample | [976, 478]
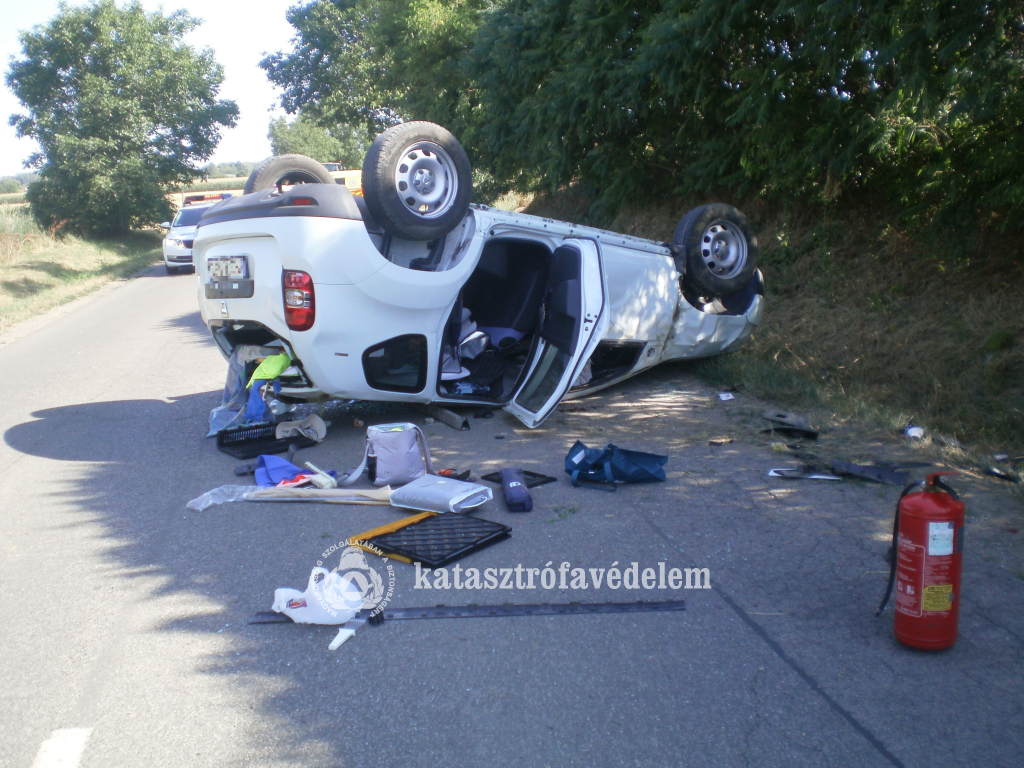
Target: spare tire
[417, 181]
[286, 169]
[715, 250]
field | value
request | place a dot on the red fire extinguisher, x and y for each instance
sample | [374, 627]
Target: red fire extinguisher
[927, 554]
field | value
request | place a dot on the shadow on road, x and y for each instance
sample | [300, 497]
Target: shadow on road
[795, 557]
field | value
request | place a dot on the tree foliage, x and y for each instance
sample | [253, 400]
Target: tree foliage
[9, 184]
[358, 62]
[121, 108]
[921, 103]
[338, 144]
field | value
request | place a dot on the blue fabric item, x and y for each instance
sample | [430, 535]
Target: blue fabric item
[602, 468]
[236, 396]
[271, 470]
[513, 484]
[256, 409]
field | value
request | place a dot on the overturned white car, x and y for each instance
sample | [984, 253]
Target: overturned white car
[413, 294]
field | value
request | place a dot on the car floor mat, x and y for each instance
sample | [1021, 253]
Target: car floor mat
[435, 540]
[533, 479]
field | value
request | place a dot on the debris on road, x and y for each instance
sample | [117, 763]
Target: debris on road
[252, 441]
[789, 425]
[431, 539]
[602, 467]
[513, 486]
[445, 416]
[801, 473]
[431, 493]
[533, 479]
[228, 493]
[877, 474]
[786, 447]
[914, 432]
[529, 609]
[311, 427]
[1002, 474]
[395, 454]
[330, 598]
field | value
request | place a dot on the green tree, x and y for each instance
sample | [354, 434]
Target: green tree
[917, 103]
[377, 63]
[9, 184]
[122, 109]
[302, 136]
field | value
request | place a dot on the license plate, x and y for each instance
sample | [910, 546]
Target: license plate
[227, 267]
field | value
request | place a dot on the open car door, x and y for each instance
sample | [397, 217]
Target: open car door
[573, 320]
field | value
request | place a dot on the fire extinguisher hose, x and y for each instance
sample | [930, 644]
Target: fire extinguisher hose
[894, 549]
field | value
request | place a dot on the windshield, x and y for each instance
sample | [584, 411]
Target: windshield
[188, 217]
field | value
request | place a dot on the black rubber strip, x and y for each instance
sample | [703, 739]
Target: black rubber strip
[834, 705]
[529, 609]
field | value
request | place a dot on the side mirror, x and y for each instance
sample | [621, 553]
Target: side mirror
[165, 225]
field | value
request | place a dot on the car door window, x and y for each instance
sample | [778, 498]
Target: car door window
[574, 320]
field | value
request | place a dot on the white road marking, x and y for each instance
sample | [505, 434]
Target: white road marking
[63, 749]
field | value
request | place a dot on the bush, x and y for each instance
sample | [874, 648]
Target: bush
[9, 184]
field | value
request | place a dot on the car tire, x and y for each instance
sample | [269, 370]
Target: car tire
[417, 181]
[715, 251]
[171, 270]
[286, 169]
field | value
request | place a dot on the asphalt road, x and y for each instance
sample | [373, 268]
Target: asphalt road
[124, 615]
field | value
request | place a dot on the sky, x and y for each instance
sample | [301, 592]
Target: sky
[239, 31]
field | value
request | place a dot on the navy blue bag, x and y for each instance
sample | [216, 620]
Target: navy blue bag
[604, 467]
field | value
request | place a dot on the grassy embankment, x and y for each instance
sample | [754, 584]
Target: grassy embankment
[39, 271]
[867, 320]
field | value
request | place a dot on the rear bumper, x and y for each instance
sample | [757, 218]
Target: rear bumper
[229, 334]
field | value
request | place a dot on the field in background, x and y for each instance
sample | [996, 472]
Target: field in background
[218, 185]
[38, 271]
[867, 320]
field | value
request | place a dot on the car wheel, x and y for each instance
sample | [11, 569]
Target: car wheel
[715, 250]
[417, 181]
[286, 169]
[171, 270]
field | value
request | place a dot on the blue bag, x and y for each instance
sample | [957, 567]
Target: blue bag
[601, 467]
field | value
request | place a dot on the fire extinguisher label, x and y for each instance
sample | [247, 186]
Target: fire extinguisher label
[938, 597]
[940, 540]
[909, 576]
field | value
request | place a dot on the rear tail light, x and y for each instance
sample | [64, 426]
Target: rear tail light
[299, 300]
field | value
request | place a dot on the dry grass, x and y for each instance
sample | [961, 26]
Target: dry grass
[869, 321]
[39, 271]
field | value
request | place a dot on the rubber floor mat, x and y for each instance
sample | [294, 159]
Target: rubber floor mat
[441, 539]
